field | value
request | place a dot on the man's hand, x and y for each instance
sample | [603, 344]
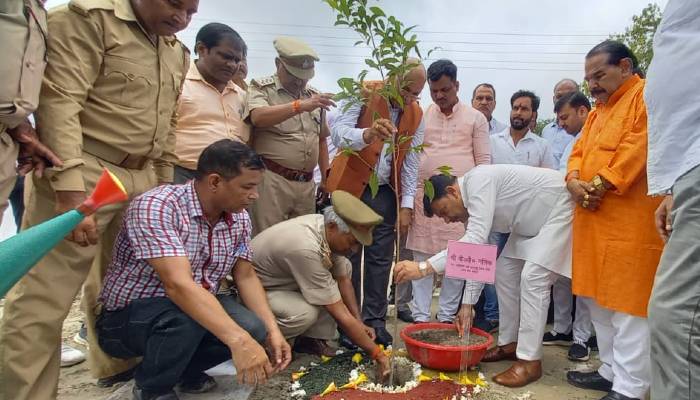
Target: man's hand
[252, 365]
[320, 100]
[85, 233]
[381, 129]
[584, 194]
[464, 318]
[370, 332]
[663, 218]
[32, 153]
[383, 368]
[405, 219]
[408, 271]
[280, 351]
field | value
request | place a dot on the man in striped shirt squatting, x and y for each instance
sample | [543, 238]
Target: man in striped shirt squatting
[159, 297]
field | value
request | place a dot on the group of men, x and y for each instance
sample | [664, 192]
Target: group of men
[219, 253]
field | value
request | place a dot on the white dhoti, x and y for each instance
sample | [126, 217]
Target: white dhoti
[623, 341]
[523, 290]
[563, 304]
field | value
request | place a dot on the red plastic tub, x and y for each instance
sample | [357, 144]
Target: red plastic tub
[443, 358]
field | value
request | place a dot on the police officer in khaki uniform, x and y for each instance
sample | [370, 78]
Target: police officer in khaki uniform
[301, 264]
[108, 100]
[289, 132]
[23, 45]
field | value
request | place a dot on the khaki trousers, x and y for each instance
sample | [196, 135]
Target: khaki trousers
[30, 336]
[296, 317]
[8, 172]
[280, 200]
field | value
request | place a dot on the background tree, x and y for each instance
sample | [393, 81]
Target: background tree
[541, 123]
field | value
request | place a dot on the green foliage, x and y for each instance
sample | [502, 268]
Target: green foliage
[391, 42]
[428, 188]
[640, 35]
[373, 185]
[541, 123]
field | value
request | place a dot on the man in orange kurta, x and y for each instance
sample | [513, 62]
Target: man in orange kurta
[615, 245]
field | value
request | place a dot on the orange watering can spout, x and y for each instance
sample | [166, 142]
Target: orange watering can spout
[109, 190]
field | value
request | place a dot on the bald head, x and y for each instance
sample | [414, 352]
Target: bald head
[413, 80]
[564, 87]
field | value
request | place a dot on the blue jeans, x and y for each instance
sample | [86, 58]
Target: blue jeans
[489, 294]
[174, 347]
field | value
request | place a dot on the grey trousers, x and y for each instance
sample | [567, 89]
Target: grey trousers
[674, 308]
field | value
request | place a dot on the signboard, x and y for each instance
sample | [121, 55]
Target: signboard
[468, 261]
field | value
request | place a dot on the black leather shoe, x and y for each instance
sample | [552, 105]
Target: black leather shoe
[613, 395]
[589, 380]
[345, 341]
[140, 394]
[114, 379]
[201, 383]
[593, 343]
[383, 336]
[405, 316]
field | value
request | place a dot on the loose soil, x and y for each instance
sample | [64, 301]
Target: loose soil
[403, 372]
[446, 337]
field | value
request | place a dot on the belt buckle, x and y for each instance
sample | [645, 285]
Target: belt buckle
[300, 177]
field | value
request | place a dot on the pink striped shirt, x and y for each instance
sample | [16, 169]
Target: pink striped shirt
[459, 140]
[168, 221]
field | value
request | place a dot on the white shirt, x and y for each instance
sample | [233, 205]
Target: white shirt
[564, 162]
[531, 203]
[672, 96]
[496, 126]
[558, 139]
[531, 150]
[345, 134]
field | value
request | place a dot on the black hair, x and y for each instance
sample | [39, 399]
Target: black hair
[210, 35]
[441, 68]
[574, 99]
[526, 93]
[440, 183]
[616, 51]
[227, 157]
[488, 85]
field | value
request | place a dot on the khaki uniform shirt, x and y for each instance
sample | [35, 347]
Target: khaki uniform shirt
[23, 47]
[292, 143]
[294, 256]
[107, 82]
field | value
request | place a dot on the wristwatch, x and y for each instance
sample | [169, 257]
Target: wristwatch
[423, 268]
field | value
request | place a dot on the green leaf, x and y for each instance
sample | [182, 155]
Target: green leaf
[377, 11]
[445, 170]
[374, 184]
[376, 116]
[404, 138]
[428, 189]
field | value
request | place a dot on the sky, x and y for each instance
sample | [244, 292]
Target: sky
[510, 44]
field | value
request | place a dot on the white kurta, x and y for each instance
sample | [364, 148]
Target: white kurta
[530, 203]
